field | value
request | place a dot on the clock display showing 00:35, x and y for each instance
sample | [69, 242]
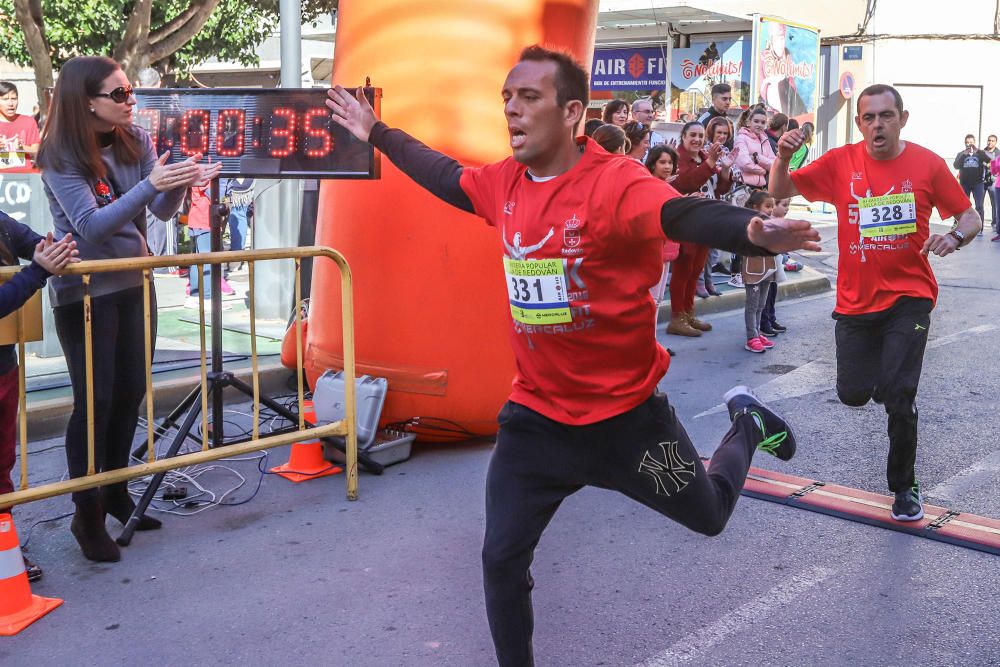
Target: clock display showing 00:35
[254, 132]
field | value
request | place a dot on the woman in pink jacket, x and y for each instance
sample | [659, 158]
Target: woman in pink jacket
[756, 155]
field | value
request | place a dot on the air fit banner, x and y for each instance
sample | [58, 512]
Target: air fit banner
[785, 73]
[629, 69]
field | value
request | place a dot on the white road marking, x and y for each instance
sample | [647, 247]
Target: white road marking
[816, 376]
[821, 374]
[982, 473]
[960, 335]
[700, 641]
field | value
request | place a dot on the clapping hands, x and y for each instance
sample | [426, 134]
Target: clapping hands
[183, 174]
[713, 153]
[54, 256]
[729, 159]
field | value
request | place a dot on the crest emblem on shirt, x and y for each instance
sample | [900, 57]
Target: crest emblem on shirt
[508, 208]
[857, 176]
[573, 222]
[907, 185]
[571, 238]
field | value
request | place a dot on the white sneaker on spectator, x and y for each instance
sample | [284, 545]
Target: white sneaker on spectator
[736, 280]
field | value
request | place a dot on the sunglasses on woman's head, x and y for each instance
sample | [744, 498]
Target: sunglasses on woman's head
[119, 94]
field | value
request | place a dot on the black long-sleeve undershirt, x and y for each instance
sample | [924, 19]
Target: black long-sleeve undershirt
[710, 222]
[706, 221]
[435, 172]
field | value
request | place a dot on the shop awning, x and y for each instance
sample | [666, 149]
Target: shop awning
[655, 24]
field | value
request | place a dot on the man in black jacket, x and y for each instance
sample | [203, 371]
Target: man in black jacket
[973, 164]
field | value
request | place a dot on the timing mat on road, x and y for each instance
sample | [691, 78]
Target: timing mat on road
[939, 523]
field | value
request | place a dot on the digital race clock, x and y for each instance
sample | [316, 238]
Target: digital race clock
[256, 132]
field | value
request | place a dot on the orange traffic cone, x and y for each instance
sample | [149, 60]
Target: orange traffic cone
[18, 607]
[306, 459]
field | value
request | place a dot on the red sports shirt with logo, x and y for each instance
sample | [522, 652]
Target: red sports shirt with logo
[873, 272]
[598, 225]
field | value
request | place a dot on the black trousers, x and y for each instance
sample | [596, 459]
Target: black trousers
[119, 378]
[767, 317]
[643, 453]
[884, 351]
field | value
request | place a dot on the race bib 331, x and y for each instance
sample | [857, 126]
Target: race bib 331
[536, 289]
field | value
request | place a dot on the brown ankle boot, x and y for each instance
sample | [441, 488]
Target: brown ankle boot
[679, 325]
[88, 529]
[696, 323]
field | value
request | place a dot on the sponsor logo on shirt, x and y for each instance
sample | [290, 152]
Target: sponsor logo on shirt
[508, 208]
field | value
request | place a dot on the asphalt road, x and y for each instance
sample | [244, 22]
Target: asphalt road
[300, 575]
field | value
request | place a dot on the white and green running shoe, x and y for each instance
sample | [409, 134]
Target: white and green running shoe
[777, 438]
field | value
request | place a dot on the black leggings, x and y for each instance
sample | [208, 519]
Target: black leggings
[884, 351]
[643, 453]
[119, 378]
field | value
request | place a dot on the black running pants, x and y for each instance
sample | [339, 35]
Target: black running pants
[643, 453]
[884, 351]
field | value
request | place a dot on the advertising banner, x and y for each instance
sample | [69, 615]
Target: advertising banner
[785, 67]
[694, 70]
[637, 69]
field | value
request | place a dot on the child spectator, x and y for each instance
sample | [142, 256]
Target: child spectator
[758, 275]
[49, 257]
[769, 325]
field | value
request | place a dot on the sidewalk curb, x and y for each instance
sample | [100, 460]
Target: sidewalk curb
[813, 282]
[47, 418]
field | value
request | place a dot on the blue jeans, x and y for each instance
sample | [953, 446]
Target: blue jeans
[202, 243]
[237, 228]
[978, 192]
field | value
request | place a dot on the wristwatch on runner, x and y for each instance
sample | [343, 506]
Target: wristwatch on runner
[958, 236]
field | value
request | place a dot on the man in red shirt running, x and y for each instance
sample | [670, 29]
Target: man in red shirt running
[884, 190]
[582, 233]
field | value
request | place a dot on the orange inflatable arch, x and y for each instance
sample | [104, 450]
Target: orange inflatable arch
[430, 306]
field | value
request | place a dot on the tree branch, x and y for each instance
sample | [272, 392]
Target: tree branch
[136, 32]
[29, 16]
[165, 30]
[169, 44]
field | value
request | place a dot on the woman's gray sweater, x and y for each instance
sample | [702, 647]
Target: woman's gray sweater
[106, 218]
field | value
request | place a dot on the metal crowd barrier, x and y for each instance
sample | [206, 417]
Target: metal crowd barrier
[346, 427]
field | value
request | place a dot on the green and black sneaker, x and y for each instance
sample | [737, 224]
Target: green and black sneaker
[908, 505]
[778, 439]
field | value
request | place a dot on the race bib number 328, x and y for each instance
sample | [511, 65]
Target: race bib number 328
[888, 214]
[536, 289]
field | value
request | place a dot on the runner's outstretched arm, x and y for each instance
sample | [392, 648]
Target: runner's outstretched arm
[434, 171]
[779, 182]
[740, 230]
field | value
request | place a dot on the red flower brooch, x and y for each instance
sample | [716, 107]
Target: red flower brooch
[102, 193]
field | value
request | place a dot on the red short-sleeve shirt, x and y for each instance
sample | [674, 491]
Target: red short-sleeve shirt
[874, 272]
[22, 131]
[599, 225]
